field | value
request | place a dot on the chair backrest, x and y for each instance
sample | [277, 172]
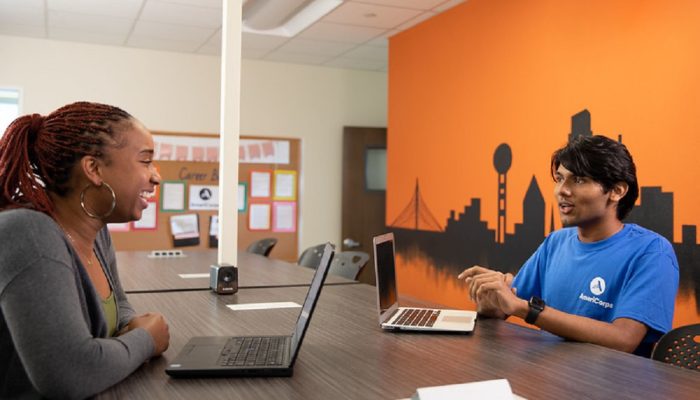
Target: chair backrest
[680, 346]
[349, 263]
[311, 257]
[262, 246]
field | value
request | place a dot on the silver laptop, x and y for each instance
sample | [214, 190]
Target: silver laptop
[251, 355]
[394, 317]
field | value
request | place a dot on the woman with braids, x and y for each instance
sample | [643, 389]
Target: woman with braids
[66, 327]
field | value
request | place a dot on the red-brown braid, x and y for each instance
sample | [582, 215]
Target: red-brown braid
[37, 154]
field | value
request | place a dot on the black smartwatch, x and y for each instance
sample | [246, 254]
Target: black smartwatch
[536, 306]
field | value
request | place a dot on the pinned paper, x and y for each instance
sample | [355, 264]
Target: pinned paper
[149, 218]
[173, 196]
[259, 217]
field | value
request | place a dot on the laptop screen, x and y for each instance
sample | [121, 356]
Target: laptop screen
[311, 297]
[386, 273]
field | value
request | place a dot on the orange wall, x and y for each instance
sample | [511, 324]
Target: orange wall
[493, 71]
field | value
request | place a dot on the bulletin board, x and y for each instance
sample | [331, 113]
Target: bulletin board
[193, 173]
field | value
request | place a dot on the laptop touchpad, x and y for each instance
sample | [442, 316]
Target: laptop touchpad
[458, 319]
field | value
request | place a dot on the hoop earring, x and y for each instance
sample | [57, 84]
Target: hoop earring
[90, 213]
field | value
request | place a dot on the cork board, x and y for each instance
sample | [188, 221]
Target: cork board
[207, 174]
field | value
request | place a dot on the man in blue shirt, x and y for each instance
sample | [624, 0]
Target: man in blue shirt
[597, 280]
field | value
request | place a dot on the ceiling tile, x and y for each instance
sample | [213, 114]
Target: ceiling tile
[257, 41]
[9, 4]
[296, 58]
[157, 30]
[383, 40]
[75, 35]
[121, 8]
[317, 47]
[173, 13]
[162, 44]
[372, 53]
[210, 49]
[417, 20]
[340, 33]
[361, 14]
[23, 30]
[212, 46]
[215, 39]
[199, 3]
[254, 54]
[414, 4]
[353, 63]
[89, 23]
[21, 16]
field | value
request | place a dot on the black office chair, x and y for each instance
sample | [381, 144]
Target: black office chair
[262, 246]
[311, 257]
[680, 346]
[348, 264]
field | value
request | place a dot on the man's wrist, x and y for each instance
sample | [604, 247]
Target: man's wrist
[521, 309]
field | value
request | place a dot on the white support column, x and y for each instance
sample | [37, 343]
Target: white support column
[230, 131]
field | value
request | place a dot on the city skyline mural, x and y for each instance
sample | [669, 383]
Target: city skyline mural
[465, 238]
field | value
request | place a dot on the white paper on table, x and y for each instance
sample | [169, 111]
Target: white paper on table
[263, 306]
[284, 185]
[194, 276]
[260, 184]
[497, 389]
[259, 216]
[184, 226]
[148, 217]
[173, 195]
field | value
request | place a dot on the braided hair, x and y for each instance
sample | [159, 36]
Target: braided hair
[37, 153]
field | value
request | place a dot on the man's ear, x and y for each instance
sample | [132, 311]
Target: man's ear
[92, 169]
[619, 191]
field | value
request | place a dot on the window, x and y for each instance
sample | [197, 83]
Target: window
[9, 107]
[375, 169]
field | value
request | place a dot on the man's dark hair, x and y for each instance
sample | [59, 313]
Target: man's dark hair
[605, 161]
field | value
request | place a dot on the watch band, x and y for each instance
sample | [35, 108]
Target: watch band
[536, 306]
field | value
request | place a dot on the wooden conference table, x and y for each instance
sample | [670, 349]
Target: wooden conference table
[140, 273]
[346, 356]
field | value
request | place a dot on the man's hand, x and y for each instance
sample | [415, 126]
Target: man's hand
[491, 290]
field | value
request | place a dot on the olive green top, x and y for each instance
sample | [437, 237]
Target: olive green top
[109, 306]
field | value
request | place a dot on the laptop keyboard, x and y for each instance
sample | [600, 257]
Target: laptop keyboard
[417, 317]
[244, 351]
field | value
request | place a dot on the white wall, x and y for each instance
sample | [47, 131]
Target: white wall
[180, 92]
[313, 103]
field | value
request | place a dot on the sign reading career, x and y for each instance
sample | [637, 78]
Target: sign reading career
[204, 197]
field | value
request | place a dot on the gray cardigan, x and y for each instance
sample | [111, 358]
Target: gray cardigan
[52, 329]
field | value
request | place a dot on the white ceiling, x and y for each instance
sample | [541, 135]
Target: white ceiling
[352, 36]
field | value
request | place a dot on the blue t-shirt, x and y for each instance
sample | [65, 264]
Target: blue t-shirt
[632, 274]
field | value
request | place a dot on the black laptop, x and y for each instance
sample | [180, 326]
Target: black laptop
[210, 356]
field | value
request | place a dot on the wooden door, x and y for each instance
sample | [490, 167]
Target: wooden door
[364, 191]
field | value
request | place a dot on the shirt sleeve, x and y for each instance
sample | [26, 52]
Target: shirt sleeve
[649, 292]
[62, 359]
[527, 281]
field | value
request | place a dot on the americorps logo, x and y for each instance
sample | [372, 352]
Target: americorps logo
[597, 287]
